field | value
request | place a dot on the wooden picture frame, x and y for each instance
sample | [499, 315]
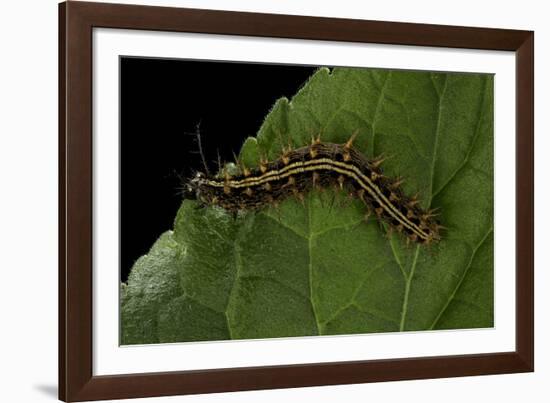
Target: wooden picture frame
[76, 22]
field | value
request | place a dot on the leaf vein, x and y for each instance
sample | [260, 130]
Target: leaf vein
[396, 257]
[407, 291]
[437, 135]
[459, 284]
[310, 267]
[238, 264]
[377, 110]
[474, 140]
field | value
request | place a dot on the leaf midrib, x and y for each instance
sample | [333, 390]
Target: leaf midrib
[409, 277]
[310, 268]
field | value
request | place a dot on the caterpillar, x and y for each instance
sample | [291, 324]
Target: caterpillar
[316, 166]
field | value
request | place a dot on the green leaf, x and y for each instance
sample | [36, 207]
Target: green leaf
[316, 267]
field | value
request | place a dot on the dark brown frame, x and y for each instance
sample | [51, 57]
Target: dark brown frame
[76, 21]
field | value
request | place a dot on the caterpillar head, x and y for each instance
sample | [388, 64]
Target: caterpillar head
[192, 188]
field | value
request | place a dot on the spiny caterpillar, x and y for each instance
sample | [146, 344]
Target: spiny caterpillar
[316, 166]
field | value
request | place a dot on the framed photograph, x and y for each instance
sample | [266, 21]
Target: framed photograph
[253, 201]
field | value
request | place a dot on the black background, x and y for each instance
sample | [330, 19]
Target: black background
[162, 102]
